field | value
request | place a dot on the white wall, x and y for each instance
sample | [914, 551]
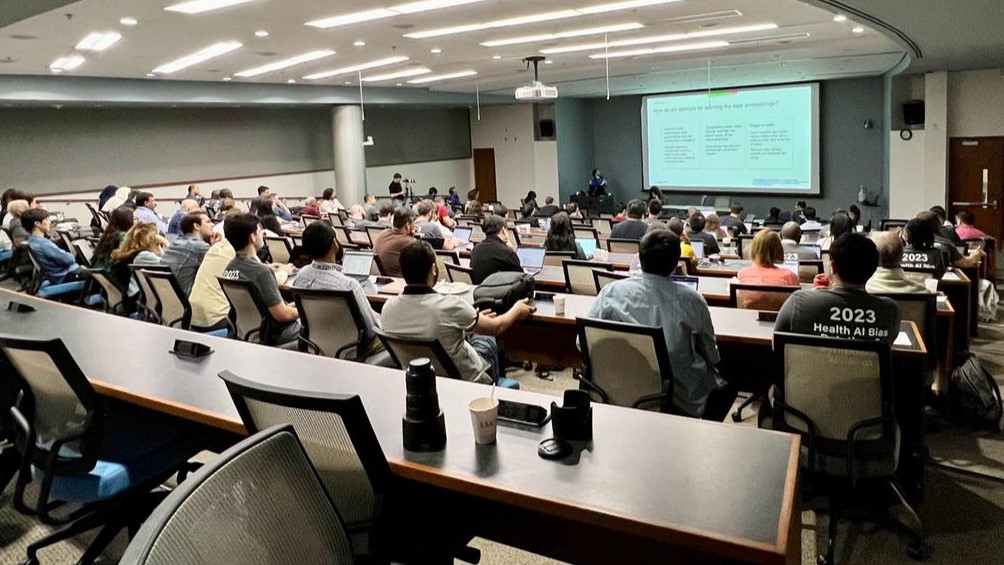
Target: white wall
[906, 174]
[440, 174]
[545, 154]
[936, 104]
[521, 164]
[974, 103]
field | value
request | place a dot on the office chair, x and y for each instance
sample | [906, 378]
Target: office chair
[344, 238]
[249, 314]
[332, 322]
[769, 298]
[808, 269]
[335, 219]
[623, 245]
[261, 501]
[457, 273]
[846, 418]
[173, 308]
[114, 294]
[82, 452]
[39, 286]
[586, 233]
[444, 258]
[307, 219]
[85, 252]
[555, 258]
[603, 226]
[579, 276]
[603, 278]
[372, 233]
[279, 248]
[404, 350]
[626, 364]
[920, 308]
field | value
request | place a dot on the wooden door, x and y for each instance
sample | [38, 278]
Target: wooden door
[968, 159]
[484, 174]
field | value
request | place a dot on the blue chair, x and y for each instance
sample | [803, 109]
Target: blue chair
[81, 451]
[42, 288]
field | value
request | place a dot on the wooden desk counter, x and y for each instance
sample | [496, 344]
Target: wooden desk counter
[651, 486]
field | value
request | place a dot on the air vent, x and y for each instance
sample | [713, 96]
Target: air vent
[267, 53]
[404, 26]
[22, 37]
[7, 61]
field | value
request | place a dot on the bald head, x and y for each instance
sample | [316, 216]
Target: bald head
[189, 206]
[890, 249]
[792, 231]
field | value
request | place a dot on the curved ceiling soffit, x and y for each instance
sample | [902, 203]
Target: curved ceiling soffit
[893, 32]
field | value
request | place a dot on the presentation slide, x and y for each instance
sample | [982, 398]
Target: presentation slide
[747, 140]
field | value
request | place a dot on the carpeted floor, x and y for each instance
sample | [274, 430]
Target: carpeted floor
[963, 511]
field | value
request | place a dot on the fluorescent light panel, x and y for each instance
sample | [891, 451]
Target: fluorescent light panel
[562, 35]
[399, 74]
[67, 63]
[98, 41]
[357, 68]
[659, 39]
[707, 17]
[537, 18]
[447, 76]
[286, 63]
[658, 50]
[381, 13]
[210, 52]
[199, 6]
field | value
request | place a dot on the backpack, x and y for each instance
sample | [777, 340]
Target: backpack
[500, 291]
[988, 301]
[974, 399]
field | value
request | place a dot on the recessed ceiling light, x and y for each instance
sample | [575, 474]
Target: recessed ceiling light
[66, 63]
[286, 63]
[381, 13]
[151, 75]
[210, 52]
[348, 82]
[858, 29]
[261, 33]
[56, 70]
[291, 81]
[199, 6]
[128, 21]
[658, 50]
[398, 74]
[434, 78]
[537, 18]
[359, 43]
[227, 79]
[357, 68]
[98, 41]
[399, 84]
[659, 39]
[435, 51]
[562, 35]
[496, 57]
[840, 18]
[548, 62]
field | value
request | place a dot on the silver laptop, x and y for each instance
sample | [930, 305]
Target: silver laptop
[357, 265]
[698, 248]
[464, 235]
[689, 282]
[531, 259]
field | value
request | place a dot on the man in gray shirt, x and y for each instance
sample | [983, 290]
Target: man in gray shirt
[429, 226]
[791, 234]
[634, 227]
[186, 253]
[653, 299]
[319, 244]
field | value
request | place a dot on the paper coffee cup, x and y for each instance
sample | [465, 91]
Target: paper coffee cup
[601, 254]
[559, 304]
[932, 285]
[485, 419]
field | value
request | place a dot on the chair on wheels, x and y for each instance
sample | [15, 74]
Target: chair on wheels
[249, 315]
[579, 275]
[457, 273]
[279, 248]
[846, 418]
[260, 501]
[173, 307]
[404, 350]
[626, 364]
[42, 288]
[603, 278]
[622, 245]
[333, 324]
[148, 305]
[81, 451]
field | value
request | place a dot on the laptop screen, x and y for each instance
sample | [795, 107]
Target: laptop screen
[689, 282]
[463, 234]
[531, 257]
[546, 224]
[790, 265]
[698, 248]
[357, 264]
[588, 246]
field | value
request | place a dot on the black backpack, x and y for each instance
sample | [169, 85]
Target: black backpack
[500, 291]
[974, 399]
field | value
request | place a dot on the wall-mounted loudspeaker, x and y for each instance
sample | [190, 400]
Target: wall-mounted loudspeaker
[913, 113]
[546, 128]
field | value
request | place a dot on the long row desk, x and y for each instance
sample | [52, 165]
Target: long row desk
[650, 487]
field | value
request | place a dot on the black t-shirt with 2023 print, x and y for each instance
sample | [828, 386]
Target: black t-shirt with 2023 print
[842, 313]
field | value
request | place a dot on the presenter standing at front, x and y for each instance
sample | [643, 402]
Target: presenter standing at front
[395, 189]
[597, 184]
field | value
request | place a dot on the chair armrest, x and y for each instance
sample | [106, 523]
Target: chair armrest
[310, 346]
[811, 431]
[852, 438]
[649, 398]
[344, 348]
[593, 387]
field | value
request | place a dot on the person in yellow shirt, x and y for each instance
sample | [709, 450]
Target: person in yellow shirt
[686, 250]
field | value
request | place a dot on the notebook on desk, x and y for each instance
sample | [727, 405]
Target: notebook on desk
[531, 259]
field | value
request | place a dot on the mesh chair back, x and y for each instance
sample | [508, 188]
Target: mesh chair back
[249, 316]
[622, 245]
[342, 235]
[627, 362]
[603, 226]
[743, 245]
[759, 297]
[443, 258]
[279, 248]
[308, 219]
[114, 294]
[807, 270]
[259, 502]
[331, 320]
[174, 307]
[404, 350]
[554, 258]
[85, 251]
[373, 232]
[579, 275]
[920, 308]
[603, 278]
[457, 273]
[477, 233]
[150, 301]
[66, 239]
[336, 220]
[586, 233]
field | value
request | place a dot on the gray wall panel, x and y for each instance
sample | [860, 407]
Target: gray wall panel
[415, 135]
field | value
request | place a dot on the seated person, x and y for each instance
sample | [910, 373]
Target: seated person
[187, 207]
[791, 235]
[142, 245]
[548, 209]
[653, 299]
[384, 218]
[210, 307]
[279, 208]
[319, 244]
[146, 204]
[371, 207]
[246, 236]
[389, 243]
[798, 215]
[654, 211]
[573, 211]
[967, 229]
[493, 254]
[18, 232]
[561, 236]
[427, 223]
[686, 250]
[733, 223]
[920, 251]
[444, 214]
[329, 204]
[947, 230]
[840, 224]
[186, 253]
[889, 277]
[773, 217]
[453, 199]
[58, 266]
[119, 222]
[310, 207]
[766, 252]
[810, 223]
[264, 208]
[634, 226]
[696, 232]
[845, 309]
[947, 247]
[713, 225]
[465, 333]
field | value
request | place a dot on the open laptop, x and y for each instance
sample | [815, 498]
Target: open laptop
[531, 259]
[790, 265]
[588, 246]
[464, 235]
[689, 282]
[357, 265]
[546, 224]
[698, 249]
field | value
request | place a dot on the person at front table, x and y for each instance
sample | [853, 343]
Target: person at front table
[145, 214]
[57, 265]
[890, 277]
[389, 243]
[653, 299]
[845, 309]
[634, 226]
[466, 334]
[395, 189]
[493, 255]
[597, 184]
[245, 234]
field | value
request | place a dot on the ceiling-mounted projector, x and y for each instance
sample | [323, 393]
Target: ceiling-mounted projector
[537, 90]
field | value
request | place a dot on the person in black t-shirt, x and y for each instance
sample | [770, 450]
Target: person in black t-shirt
[493, 255]
[395, 189]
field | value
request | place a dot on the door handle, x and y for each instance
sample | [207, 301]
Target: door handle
[992, 204]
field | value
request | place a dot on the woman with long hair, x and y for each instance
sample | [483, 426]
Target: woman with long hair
[561, 236]
[262, 207]
[119, 222]
[766, 252]
[142, 245]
